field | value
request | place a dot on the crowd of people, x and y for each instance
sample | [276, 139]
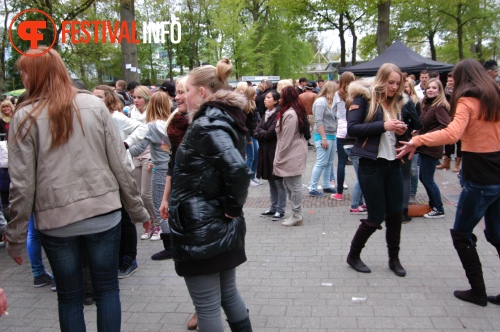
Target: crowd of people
[179, 159]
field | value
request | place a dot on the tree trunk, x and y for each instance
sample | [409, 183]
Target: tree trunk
[352, 29]
[342, 40]
[432, 46]
[129, 50]
[2, 49]
[460, 27]
[384, 13]
[460, 40]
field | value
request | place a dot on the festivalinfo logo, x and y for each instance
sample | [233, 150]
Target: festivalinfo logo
[84, 32]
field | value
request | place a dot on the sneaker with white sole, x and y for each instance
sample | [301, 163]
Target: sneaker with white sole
[128, 267]
[254, 184]
[434, 214]
[358, 210]
[156, 234]
[337, 197]
[147, 234]
[277, 216]
[43, 280]
[268, 213]
[345, 186]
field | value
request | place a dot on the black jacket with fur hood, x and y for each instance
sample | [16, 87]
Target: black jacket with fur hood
[210, 180]
[367, 133]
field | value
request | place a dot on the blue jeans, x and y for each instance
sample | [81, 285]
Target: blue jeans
[357, 194]
[252, 151]
[406, 169]
[475, 202]
[414, 174]
[341, 165]
[427, 170]
[324, 164]
[382, 183]
[211, 291]
[65, 257]
[34, 247]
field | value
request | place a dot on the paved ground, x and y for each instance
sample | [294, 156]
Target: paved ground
[296, 279]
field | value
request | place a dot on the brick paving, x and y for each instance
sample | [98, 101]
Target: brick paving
[296, 279]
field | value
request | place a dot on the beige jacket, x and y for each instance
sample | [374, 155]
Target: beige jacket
[291, 149]
[88, 176]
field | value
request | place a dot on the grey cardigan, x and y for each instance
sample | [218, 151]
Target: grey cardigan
[324, 116]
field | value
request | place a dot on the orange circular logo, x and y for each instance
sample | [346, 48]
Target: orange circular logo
[28, 30]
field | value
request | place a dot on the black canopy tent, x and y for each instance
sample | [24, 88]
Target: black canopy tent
[403, 57]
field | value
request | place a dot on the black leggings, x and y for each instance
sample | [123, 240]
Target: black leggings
[450, 149]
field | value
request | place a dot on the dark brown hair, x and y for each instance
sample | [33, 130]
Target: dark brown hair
[470, 81]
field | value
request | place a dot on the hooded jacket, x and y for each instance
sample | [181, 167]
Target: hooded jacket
[210, 181]
[367, 133]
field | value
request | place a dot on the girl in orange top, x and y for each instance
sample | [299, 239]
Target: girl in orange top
[475, 106]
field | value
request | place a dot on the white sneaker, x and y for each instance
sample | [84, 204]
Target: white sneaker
[147, 234]
[345, 186]
[156, 234]
[253, 183]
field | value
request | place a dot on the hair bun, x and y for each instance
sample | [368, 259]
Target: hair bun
[223, 69]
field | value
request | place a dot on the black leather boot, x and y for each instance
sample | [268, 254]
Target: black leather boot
[164, 254]
[242, 326]
[473, 270]
[365, 230]
[406, 217]
[496, 244]
[393, 239]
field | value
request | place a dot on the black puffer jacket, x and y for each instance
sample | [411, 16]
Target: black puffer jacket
[210, 180]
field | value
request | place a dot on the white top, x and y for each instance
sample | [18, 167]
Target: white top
[339, 108]
[387, 147]
[420, 91]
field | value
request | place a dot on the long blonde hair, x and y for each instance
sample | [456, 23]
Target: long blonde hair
[328, 91]
[413, 93]
[159, 107]
[249, 92]
[441, 97]
[241, 87]
[379, 92]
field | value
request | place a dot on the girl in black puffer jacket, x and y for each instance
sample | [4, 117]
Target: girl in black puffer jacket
[209, 189]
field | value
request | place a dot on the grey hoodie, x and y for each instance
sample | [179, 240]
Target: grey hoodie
[159, 144]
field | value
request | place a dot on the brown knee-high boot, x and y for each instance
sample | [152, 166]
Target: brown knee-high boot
[393, 238]
[445, 164]
[457, 164]
[473, 270]
[365, 230]
[496, 244]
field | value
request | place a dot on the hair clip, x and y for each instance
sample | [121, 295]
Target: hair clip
[212, 85]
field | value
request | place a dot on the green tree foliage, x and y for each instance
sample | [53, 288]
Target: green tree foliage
[266, 37]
